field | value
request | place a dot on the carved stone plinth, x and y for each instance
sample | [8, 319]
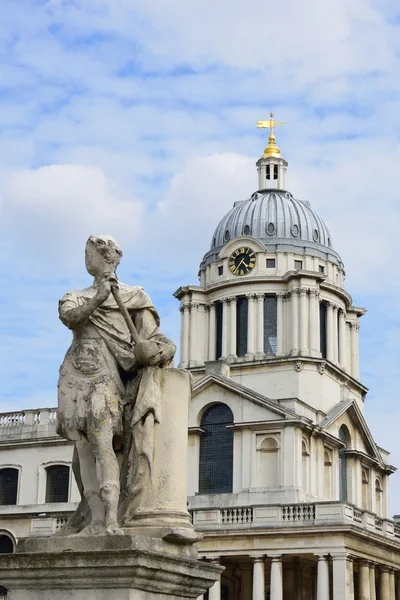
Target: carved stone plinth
[104, 568]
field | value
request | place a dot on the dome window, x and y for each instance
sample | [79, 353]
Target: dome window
[214, 242]
[270, 229]
[227, 236]
[246, 230]
[295, 230]
[329, 241]
[315, 235]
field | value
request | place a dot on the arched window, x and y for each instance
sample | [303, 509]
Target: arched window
[344, 436]
[6, 544]
[365, 489]
[322, 329]
[267, 463]
[8, 486]
[327, 475]
[378, 496]
[305, 459]
[57, 483]
[216, 451]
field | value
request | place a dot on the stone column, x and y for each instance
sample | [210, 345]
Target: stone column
[260, 326]
[384, 584]
[214, 593]
[314, 322]
[192, 335]
[343, 584]
[250, 326]
[372, 584]
[329, 331]
[233, 326]
[342, 338]
[323, 578]
[279, 325]
[295, 322]
[225, 328]
[354, 349]
[335, 355]
[303, 322]
[363, 580]
[185, 307]
[276, 585]
[392, 585]
[258, 578]
[212, 332]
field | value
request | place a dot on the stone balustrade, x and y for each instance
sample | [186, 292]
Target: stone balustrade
[293, 515]
[28, 424]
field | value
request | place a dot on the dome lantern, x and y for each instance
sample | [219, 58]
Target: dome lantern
[271, 167]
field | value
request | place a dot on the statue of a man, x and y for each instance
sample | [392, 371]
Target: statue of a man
[101, 372]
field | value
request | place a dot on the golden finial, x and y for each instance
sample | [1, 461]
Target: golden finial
[272, 149]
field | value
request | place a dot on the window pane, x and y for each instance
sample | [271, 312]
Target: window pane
[218, 312]
[241, 326]
[270, 263]
[298, 264]
[8, 486]
[6, 547]
[270, 324]
[57, 484]
[322, 328]
[216, 451]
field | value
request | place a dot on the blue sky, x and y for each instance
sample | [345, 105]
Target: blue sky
[137, 118]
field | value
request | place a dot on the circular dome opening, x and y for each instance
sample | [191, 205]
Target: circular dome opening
[315, 235]
[227, 236]
[270, 229]
[246, 230]
[295, 230]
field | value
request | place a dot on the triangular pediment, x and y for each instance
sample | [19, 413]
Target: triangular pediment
[246, 405]
[349, 413]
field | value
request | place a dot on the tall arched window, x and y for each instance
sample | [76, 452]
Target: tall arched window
[327, 475]
[57, 484]
[8, 486]
[365, 489]
[305, 458]
[344, 436]
[378, 496]
[216, 451]
[267, 463]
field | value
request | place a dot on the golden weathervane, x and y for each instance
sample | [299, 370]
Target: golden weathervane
[272, 149]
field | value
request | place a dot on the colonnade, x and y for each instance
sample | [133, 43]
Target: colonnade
[375, 582]
[298, 329]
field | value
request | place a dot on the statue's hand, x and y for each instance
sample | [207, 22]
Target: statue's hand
[104, 289]
[148, 353]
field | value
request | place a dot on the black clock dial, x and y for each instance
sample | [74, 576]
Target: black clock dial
[242, 261]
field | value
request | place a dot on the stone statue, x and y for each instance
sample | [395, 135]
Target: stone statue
[123, 406]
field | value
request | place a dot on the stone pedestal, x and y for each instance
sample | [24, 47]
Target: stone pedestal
[105, 568]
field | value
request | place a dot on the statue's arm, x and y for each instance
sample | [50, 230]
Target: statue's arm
[73, 316]
[155, 349]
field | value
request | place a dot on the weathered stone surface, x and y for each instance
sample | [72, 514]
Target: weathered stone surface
[116, 567]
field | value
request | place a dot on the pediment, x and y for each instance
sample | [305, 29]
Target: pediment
[246, 405]
[348, 413]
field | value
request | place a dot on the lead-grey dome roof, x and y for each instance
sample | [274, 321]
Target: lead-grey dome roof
[277, 219]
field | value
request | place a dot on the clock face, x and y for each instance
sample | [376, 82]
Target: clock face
[242, 261]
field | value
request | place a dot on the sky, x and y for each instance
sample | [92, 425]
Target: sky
[136, 118]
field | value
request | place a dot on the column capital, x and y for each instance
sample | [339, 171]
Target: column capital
[224, 300]
[258, 557]
[194, 305]
[280, 295]
[384, 568]
[232, 298]
[275, 557]
[322, 556]
[302, 291]
[250, 295]
[341, 556]
[260, 295]
[354, 325]
[185, 305]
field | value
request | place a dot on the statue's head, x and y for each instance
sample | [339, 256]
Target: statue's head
[102, 253]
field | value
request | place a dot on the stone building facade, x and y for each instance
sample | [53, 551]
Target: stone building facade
[285, 480]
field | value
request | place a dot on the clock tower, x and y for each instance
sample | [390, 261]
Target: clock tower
[271, 305]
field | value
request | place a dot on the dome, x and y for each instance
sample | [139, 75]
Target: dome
[277, 219]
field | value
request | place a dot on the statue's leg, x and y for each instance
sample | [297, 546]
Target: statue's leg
[91, 488]
[102, 448]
